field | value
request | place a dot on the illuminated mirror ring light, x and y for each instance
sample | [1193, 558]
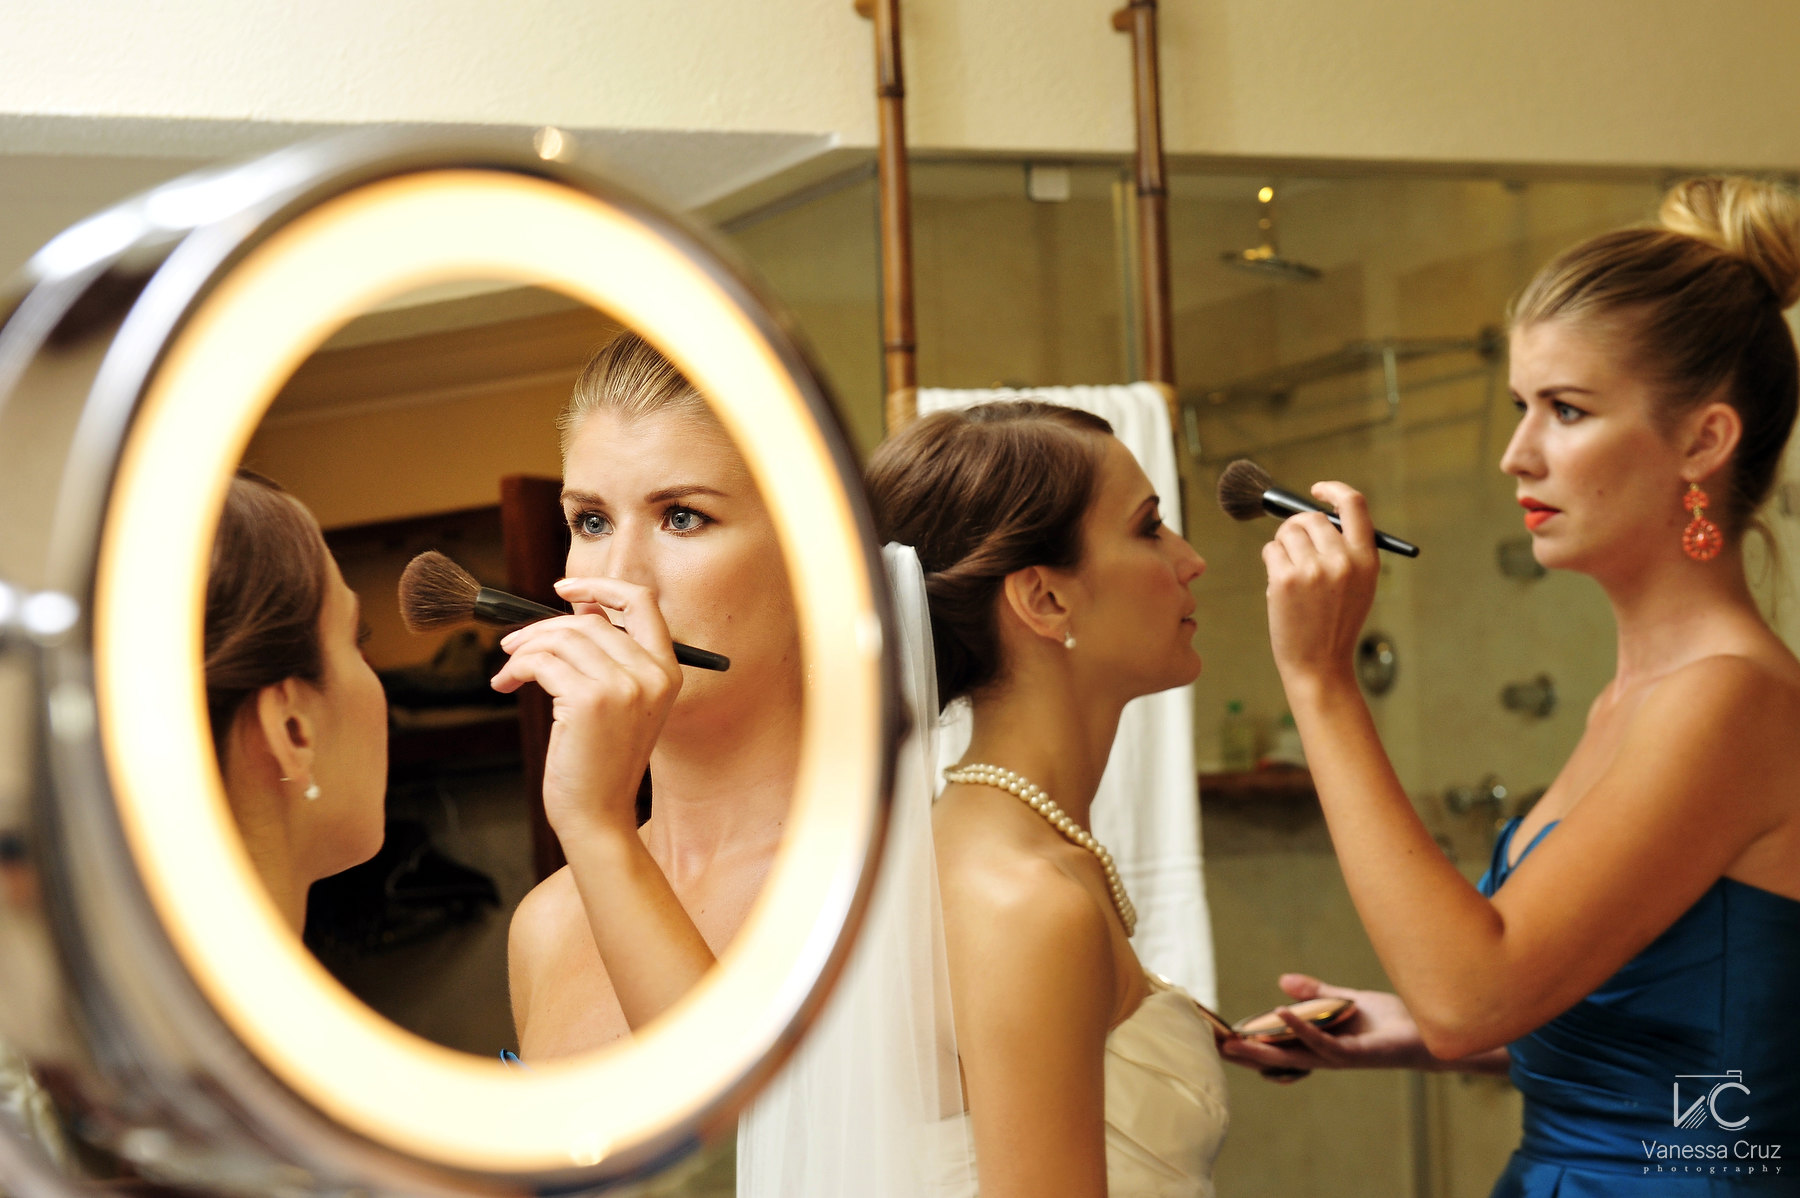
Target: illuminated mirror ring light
[615, 1111]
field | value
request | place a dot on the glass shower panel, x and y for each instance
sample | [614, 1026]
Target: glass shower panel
[1014, 291]
[1371, 353]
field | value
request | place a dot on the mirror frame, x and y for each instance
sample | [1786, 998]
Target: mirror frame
[208, 1038]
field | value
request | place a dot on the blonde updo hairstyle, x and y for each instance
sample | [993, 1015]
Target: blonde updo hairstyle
[629, 377]
[1696, 305]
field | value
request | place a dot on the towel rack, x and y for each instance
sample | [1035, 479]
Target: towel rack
[1156, 343]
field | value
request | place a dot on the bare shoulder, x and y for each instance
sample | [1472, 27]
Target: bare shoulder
[1715, 737]
[1743, 689]
[542, 920]
[1012, 905]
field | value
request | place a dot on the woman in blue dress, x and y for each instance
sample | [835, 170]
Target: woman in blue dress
[1635, 947]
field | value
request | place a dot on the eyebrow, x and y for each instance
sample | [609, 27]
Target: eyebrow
[1558, 389]
[683, 491]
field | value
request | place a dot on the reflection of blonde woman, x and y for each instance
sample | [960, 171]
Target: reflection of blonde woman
[668, 537]
[1637, 938]
[1056, 596]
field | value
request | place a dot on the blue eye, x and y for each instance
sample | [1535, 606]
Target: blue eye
[685, 519]
[589, 525]
[1568, 415]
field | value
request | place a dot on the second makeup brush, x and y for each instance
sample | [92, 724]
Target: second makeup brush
[1246, 491]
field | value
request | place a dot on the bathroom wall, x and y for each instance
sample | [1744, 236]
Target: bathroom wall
[1606, 81]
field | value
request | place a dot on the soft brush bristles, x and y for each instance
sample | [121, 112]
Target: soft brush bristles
[1241, 489]
[435, 593]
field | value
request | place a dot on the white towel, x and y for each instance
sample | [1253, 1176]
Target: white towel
[1147, 812]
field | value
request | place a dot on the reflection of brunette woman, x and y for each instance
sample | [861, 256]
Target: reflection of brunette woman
[1641, 925]
[298, 718]
[669, 535]
[1056, 595]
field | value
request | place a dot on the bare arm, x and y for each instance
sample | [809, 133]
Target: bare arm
[1686, 795]
[1031, 987]
[612, 688]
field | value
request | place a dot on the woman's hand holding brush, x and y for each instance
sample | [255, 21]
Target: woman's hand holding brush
[612, 677]
[611, 673]
[1321, 587]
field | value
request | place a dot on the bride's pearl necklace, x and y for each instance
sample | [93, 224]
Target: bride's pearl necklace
[1038, 801]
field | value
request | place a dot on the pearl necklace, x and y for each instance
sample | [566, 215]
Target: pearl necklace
[1038, 801]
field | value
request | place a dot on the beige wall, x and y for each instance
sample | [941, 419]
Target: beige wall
[1603, 82]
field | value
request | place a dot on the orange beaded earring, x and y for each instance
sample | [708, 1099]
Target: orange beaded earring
[1700, 540]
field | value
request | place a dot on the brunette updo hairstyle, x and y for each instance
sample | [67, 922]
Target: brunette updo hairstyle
[1695, 303]
[980, 493]
[264, 593]
[629, 377]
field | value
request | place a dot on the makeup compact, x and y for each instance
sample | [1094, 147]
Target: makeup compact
[1268, 1027]
[1322, 1013]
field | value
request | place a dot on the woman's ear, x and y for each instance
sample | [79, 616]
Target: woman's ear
[1714, 432]
[286, 729]
[1033, 595]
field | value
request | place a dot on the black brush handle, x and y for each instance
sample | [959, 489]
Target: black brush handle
[507, 610]
[1282, 504]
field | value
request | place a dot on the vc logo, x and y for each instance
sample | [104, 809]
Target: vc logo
[1708, 1103]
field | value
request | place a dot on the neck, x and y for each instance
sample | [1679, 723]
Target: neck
[1046, 723]
[270, 843]
[721, 788]
[1673, 611]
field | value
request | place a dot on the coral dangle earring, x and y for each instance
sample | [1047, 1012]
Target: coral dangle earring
[1700, 540]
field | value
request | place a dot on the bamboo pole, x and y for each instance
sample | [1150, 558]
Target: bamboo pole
[1156, 341]
[899, 347]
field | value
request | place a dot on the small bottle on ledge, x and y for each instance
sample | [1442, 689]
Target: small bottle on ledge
[1285, 750]
[1237, 739]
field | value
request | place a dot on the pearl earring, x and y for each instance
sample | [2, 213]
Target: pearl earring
[311, 792]
[1068, 640]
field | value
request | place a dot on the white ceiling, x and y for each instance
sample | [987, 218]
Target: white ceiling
[56, 170]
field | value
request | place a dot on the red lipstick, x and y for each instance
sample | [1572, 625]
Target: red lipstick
[1536, 513]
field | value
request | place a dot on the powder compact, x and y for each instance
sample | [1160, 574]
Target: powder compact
[1268, 1028]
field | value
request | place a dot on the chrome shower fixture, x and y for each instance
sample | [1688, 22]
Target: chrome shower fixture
[1266, 258]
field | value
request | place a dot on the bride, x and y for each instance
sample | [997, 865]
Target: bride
[1056, 596]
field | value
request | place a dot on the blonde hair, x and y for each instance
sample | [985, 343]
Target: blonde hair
[1696, 303]
[631, 378]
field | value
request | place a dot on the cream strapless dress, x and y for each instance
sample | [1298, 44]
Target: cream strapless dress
[1165, 1104]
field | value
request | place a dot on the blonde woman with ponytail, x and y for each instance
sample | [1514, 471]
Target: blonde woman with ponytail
[1633, 953]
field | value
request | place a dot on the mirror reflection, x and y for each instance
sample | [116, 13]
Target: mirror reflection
[519, 831]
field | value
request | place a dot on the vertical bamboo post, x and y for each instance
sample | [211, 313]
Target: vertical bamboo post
[899, 348]
[1156, 341]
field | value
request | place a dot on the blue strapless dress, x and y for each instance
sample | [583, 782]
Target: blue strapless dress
[1710, 1010]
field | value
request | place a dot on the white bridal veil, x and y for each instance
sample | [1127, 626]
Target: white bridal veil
[867, 1105]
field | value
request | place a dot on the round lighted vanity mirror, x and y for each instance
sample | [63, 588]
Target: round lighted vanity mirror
[246, 318]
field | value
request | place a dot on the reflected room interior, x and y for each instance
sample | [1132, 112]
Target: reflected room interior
[431, 424]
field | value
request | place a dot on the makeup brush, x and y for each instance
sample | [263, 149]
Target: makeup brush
[1246, 491]
[435, 593]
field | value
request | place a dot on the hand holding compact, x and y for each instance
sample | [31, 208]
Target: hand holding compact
[1380, 1035]
[611, 673]
[1321, 586]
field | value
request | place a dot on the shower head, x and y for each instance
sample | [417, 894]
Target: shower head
[1265, 259]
